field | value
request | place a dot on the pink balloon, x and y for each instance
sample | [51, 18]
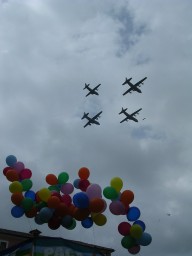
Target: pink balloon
[117, 208]
[67, 188]
[25, 174]
[93, 191]
[134, 250]
[66, 199]
[18, 166]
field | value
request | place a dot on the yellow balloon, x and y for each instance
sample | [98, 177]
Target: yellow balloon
[117, 183]
[136, 231]
[100, 219]
[15, 186]
[44, 194]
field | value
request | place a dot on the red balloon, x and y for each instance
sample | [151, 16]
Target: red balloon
[83, 173]
[61, 210]
[96, 205]
[127, 197]
[84, 184]
[81, 214]
[31, 213]
[25, 174]
[134, 250]
[53, 202]
[51, 179]
[16, 198]
[6, 169]
[66, 199]
[124, 228]
[12, 175]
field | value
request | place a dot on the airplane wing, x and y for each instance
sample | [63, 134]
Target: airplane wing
[97, 116]
[88, 94]
[136, 112]
[125, 119]
[140, 82]
[96, 87]
[88, 123]
[129, 90]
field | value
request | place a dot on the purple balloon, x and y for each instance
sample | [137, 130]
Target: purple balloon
[94, 191]
[117, 208]
[67, 188]
[18, 166]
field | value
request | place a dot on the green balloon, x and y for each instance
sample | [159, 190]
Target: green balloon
[26, 184]
[73, 225]
[127, 242]
[27, 203]
[110, 193]
[63, 177]
[54, 188]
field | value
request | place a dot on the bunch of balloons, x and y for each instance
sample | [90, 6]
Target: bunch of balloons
[57, 204]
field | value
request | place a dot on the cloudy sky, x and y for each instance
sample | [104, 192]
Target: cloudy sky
[48, 51]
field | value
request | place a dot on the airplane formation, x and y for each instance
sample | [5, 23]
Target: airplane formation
[132, 88]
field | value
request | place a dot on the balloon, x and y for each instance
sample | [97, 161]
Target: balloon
[67, 221]
[6, 169]
[81, 200]
[66, 199]
[83, 173]
[25, 174]
[63, 177]
[44, 194]
[27, 204]
[133, 213]
[54, 188]
[141, 223]
[100, 219]
[83, 184]
[73, 225]
[127, 242]
[87, 223]
[116, 183]
[38, 220]
[11, 160]
[31, 213]
[15, 186]
[51, 179]
[26, 184]
[96, 205]
[30, 194]
[94, 190]
[136, 231]
[54, 223]
[67, 188]
[61, 210]
[110, 193]
[76, 183]
[45, 214]
[145, 239]
[17, 211]
[127, 197]
[134, 250]
[12, 175]
[53, 202]
[16, 198]
[81, 214]
[117, 208]
[18, 166]
[124, 228]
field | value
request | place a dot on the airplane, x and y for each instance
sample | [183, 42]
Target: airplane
[91, 120]
[91, 91]
[129, 116]
[133, 87]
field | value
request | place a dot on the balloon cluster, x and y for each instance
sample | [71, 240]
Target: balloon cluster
[57, 204]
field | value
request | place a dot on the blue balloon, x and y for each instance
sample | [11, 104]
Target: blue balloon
[140, 223]
[81, 200]
[30, 194]
[133, 213]
[87, 223]
[76, 183]
[45, 214]
[17, 211]
[38, 220]
[11, 160]
[145, 239]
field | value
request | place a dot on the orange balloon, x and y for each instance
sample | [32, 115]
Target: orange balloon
[12, 175]
[127, 197]
[53, 202]
[83, 173]
[16, 198]
[31, 213]
[96, 205]
[51, 179]
[81, 214]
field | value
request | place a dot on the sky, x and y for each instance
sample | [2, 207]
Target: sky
[48, 51]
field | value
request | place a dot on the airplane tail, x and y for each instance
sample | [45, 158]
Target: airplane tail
[122, 110]
[85, 115]
[86, 85]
